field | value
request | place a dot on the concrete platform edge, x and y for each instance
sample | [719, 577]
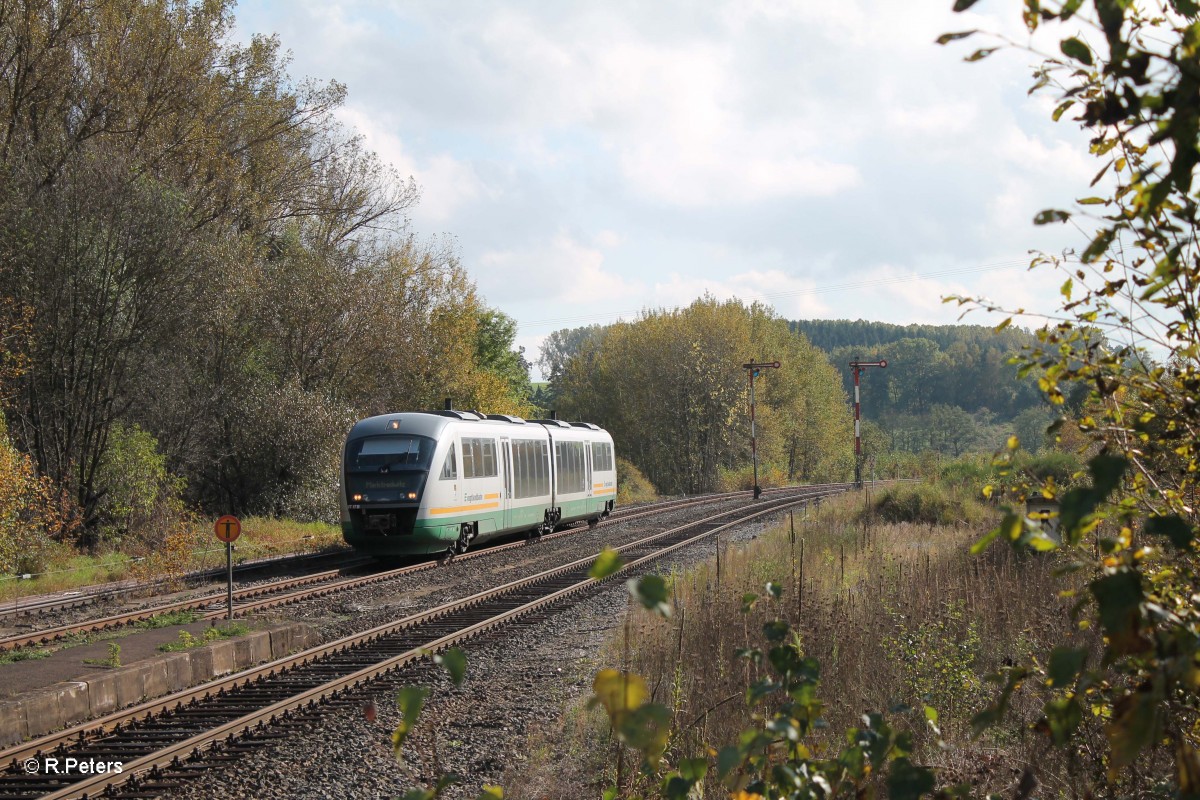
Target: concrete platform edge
[68, 703]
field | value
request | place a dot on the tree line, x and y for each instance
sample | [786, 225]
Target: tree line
[948, 389]
[204, 277]
[671, 388]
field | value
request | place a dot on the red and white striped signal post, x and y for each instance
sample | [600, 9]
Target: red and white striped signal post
[754, 367]
[857, 368]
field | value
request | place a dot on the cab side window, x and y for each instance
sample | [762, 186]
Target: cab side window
[450, 466]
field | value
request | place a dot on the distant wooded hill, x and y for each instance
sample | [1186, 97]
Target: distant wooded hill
[830, 334]
[946, 387]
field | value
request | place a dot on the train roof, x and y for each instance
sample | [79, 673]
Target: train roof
[432, 423]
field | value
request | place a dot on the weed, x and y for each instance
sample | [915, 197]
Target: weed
[184, 617]
[24, 654]
[113, 659]
[187, 641]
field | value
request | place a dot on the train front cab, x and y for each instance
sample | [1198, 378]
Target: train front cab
[386, 480]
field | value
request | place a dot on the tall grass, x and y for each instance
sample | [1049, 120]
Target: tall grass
[898, 614]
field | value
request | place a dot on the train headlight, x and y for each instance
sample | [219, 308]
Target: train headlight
[412, 495]
[358, 498]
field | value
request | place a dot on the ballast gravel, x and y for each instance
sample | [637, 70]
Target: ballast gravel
[519, 681]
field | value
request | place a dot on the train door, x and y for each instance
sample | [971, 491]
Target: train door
[507, 491]
[587, 449]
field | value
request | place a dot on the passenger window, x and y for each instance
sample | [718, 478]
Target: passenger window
[450, 466]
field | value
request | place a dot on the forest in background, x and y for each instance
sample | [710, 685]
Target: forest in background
[947, 389]
[671, 388]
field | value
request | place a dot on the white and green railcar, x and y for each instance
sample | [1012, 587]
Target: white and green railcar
[428, 482]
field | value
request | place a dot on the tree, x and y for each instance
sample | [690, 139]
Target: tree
[106, 261]
[671, 389]
[557, 351]
[495, 336]
[1134, 82]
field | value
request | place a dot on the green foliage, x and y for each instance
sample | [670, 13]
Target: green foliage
[410, 700]
[112, 660]
[455, 662]
[671, 389]
[775, 758]
[187, 641]
[24, 654]
[963, 366]
[607, 563]
[939, 659]
[980, 476]
[632, 485]
[494, 339]
[140, 497]
[183, 617]
[653, 592]
[925, 504]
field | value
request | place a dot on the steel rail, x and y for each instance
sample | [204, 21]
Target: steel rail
[24, 606]
[268, 595]
[86, 595]
[86, 735]
[33, 604]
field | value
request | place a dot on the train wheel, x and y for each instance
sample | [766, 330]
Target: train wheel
[464, 539]
[593, 522]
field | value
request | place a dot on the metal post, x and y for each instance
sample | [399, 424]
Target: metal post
[229, 575]
[857, 430]
[753, 437]
[856, 368]
[754, 367]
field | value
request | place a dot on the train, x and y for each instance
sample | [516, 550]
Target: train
[432, 482]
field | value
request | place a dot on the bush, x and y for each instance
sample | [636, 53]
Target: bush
[967, 473]
[926, 504]
[288, 442]
[33, 512]
[632, 485]
[742, 478]
[140, 501]
[1060, 466]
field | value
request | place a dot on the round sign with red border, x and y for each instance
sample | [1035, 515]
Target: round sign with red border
[228, 528]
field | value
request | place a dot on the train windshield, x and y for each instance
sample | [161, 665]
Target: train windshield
[393, 452]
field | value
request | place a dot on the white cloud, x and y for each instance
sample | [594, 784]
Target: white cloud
[597, 157]
[559, 275]
[791, 296]
[446, 183]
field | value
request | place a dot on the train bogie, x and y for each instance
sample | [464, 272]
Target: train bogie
[415, 483]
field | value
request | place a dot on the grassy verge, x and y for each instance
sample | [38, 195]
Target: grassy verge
[194, 549]
[899, 615]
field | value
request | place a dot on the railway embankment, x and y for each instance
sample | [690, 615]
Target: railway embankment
[74, 685]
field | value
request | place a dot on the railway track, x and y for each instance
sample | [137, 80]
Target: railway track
[162, 743]
[292, 590]
[27, 606]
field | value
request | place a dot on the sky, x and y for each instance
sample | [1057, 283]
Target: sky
[595, 159]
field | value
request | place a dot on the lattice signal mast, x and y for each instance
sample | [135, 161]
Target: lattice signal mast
[857, 367]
